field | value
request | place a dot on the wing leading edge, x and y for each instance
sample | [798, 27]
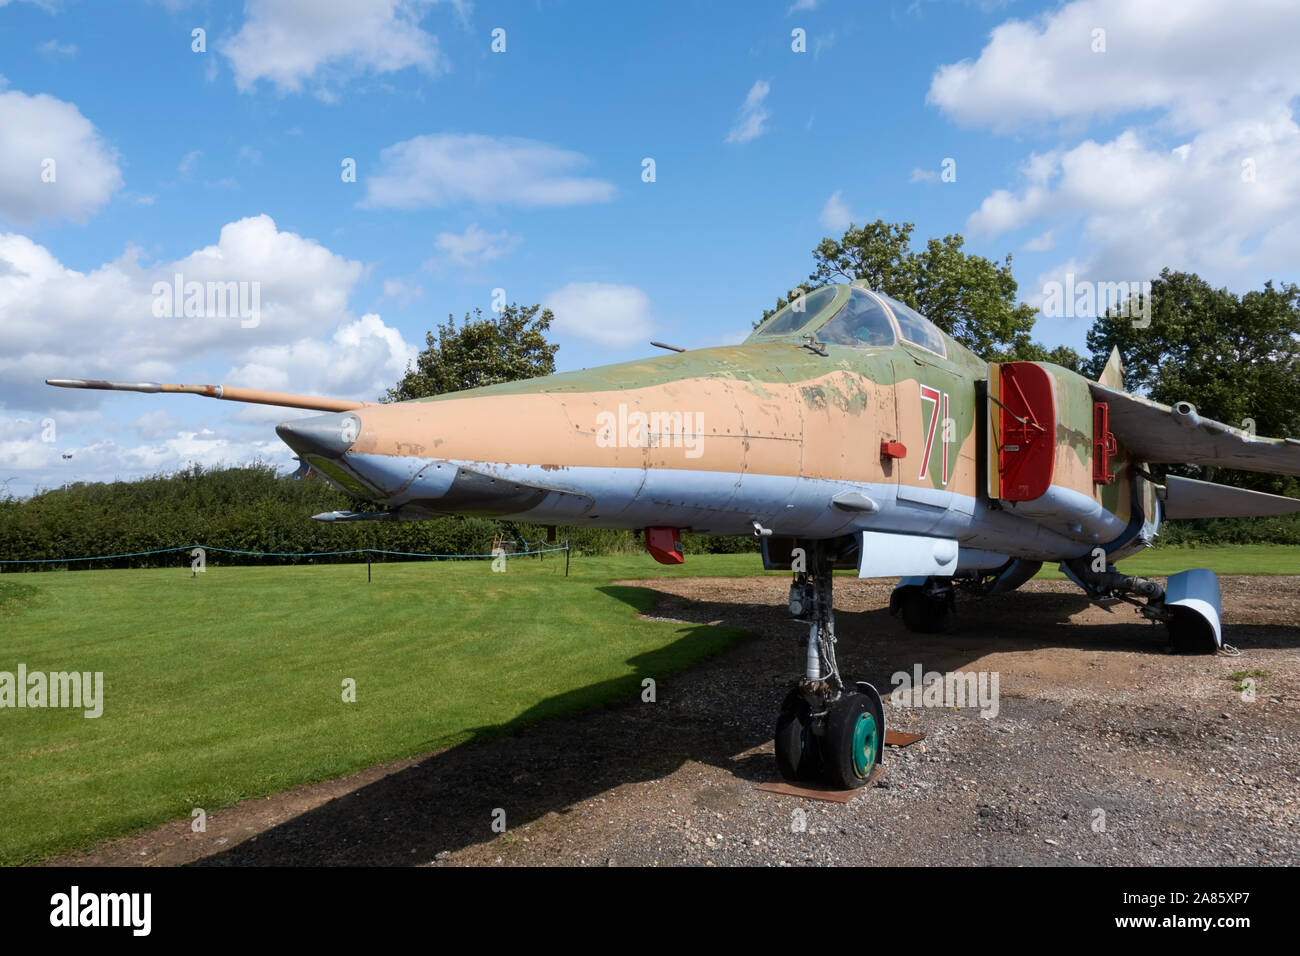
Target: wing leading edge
[1160, 434]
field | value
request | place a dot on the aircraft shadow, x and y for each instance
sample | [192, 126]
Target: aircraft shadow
[712, 712]
[446, 801]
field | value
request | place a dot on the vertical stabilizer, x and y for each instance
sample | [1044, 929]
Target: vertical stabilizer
[1112, 376]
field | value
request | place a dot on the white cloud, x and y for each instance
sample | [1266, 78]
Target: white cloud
[60, 323]
[835, 214]
[471, 248]
[35, 130]
[611, 315]
[156, 424]
[402, 292]
[1040, 243]
[1142, 207]
[38, 465]
[1199, 60]
[445, 168]
[186, 165]
[749, 123]
[800, 5]
[920, 175]
[53, 49]
[289, 42]
[1203, 177]
[46, 426]
[202, 447]
[361, 359]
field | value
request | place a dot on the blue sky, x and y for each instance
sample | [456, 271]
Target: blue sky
[1173, 144]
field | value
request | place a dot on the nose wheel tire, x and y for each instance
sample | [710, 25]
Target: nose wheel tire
[854, 739]
[798, 754]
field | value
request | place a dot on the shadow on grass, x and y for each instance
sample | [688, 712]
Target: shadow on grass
[557, 753]
[592, 739]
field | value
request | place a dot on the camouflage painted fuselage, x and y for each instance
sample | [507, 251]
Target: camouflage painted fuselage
[715, 440]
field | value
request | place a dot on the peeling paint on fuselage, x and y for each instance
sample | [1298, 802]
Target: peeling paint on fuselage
[769, 431]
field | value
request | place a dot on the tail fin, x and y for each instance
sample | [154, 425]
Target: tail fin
[1112, 376]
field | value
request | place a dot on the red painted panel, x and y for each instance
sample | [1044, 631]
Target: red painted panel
[665, 545]
[892, 449]
[1028, 428]
[1103, 444]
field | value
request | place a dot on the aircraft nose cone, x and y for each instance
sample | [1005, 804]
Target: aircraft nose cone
[328, 435]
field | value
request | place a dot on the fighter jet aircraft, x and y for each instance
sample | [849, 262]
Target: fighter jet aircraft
[847, 431]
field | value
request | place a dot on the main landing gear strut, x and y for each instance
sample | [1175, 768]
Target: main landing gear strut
[827, 728]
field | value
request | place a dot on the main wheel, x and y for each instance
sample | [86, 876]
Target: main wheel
[923, 614]
[797, 755]
[855, 738]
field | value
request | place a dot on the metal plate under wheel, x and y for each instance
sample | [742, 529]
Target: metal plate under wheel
[812, 791]
[896, 738]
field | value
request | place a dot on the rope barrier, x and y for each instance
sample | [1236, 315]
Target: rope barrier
[277, 554]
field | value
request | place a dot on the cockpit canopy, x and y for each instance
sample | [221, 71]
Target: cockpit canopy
[852, 316]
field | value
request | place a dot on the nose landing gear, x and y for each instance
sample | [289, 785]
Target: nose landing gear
[826, 728]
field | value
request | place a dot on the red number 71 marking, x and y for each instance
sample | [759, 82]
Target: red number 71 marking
[936, 398]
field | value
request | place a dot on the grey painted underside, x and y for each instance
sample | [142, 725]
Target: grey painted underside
[1189, 498]
[718, 503]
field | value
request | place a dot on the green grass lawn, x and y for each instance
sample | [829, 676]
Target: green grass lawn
[1222, 559]
[229, 685]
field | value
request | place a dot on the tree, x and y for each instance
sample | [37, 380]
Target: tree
[483, 351]
[971, 298]
[1026, 350]
[1237, 359]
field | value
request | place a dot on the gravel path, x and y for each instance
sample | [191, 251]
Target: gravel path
[1105, 750]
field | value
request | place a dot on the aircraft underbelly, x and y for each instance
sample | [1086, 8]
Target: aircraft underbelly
[713, 503]
[705, 501]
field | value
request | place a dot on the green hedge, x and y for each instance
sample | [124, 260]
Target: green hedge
[252, 508]
[256, 508]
